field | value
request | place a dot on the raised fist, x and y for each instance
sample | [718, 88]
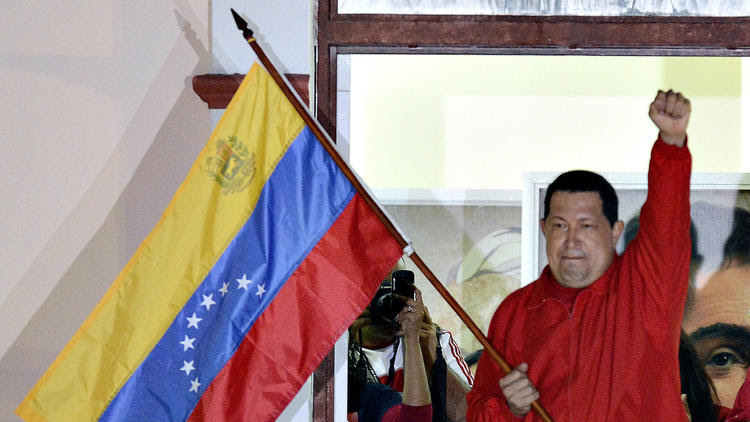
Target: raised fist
[670, 112]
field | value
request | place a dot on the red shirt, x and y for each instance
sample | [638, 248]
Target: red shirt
[613, 357]
[404, 413]
[401, 413]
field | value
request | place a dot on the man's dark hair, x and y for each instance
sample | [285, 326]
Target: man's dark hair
[695, 383]
[631, 229]
[585, 181]
[696, 259]
[737, 245]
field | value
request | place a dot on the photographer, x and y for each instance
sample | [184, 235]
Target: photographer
[375, 402]
[381, 344]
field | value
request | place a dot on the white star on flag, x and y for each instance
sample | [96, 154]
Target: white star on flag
[187, 343]
[243, 282]
[224, 289]
[208, 301]
[194, 385]
[261, 290]
[187, 367]
[193, 321]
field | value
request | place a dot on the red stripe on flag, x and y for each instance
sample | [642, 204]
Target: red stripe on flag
[313, 309]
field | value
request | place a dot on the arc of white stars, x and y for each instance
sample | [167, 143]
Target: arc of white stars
[261, 290]
[208, 301]
[187, 367]
[224, 289]
[193, 321]
[244, 281]
[194, 384]
[187, 343]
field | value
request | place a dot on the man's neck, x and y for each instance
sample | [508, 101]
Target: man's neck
[566, 295]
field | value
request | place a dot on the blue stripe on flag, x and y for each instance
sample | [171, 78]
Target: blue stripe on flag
[302, 198]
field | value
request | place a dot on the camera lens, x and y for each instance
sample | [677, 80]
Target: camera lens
[386, 307]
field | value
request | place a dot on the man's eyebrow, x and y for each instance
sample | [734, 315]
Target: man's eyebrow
[720, 330]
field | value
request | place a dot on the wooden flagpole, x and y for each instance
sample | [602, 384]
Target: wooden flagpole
[327, 143]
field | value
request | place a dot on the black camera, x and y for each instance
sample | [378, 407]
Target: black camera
[386, 304]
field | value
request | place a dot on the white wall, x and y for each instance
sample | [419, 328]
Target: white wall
[99, 126]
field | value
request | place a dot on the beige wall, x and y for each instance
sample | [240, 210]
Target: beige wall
[99, 126]
[479, 122]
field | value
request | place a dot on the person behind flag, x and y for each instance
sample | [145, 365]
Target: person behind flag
[371, 401]
[383, 349]
[597, 335]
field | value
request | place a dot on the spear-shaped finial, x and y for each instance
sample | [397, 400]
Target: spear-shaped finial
[242, 25]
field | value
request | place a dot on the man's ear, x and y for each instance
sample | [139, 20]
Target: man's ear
[617, 230]
[541, 225]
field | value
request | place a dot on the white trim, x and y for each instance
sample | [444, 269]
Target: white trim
[463, 197]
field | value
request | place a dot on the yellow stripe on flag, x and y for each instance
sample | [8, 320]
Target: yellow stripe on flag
[205, 214]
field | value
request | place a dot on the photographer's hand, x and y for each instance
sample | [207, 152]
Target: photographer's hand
[416, 388]
[412, 315]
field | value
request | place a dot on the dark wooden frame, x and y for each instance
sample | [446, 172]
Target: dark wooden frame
[538, 35]
[482, 34]
[217, 90]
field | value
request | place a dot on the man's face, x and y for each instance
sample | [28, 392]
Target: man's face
[580, 241]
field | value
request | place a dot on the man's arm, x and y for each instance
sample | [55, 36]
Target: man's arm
[486, 401]
[662, 247]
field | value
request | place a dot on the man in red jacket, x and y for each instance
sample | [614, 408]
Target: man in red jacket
[596, 336]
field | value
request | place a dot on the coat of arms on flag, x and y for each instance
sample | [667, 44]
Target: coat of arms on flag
[233, 166]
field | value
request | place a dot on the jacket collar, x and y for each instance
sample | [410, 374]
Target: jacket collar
[543, 289]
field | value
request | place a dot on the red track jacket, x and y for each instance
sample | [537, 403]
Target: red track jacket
[614, 357]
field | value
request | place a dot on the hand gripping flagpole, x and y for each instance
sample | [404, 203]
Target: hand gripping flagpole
[327, 143]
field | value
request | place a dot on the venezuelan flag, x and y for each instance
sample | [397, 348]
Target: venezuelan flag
[262, 259]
